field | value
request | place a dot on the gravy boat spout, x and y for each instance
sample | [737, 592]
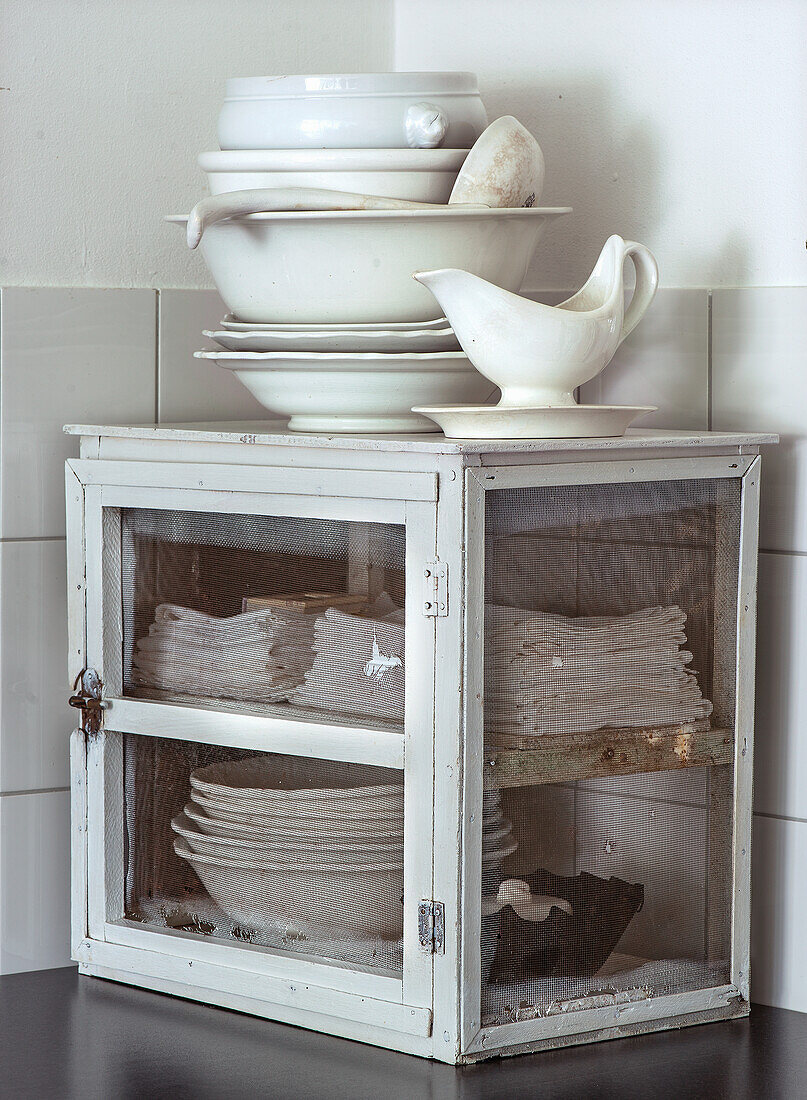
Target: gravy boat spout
[538, 354]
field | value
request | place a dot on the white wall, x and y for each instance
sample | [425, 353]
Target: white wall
[679, 123]
[105, 106]
[683, 124]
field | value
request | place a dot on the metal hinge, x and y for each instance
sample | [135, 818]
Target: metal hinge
[432, 927]
[87, 698]
[435, 588]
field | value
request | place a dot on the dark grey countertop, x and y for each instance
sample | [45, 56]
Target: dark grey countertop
[69, 1037]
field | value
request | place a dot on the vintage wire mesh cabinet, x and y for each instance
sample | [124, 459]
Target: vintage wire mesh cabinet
[444, 747]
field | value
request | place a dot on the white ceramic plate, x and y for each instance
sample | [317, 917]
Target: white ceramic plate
[294, 828]
[232, 323]
[555, 422]
[253, 814]
[289, 780]
[273, 849]
[373, 340]
[294, 833]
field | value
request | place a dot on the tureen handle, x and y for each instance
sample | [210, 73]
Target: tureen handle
[425, 126]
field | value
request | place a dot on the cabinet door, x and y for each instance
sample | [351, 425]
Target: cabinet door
[260, 796]
[609, 874]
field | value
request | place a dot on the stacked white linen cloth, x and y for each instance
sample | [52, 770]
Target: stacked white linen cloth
[256, 656]
[546, 673]
[359, 664]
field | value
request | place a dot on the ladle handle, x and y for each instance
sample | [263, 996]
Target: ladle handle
[644, 263]
[264, 200]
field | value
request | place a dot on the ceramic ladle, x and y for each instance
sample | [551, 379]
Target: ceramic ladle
[504, 169]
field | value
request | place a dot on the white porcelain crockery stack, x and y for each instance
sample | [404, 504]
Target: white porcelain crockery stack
[328, 193]
[300, 845]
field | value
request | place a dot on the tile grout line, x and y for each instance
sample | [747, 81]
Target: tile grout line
[784, 553]
[2, 296]
[157, 304]
[709, 360]
[32, 538]
[781, 817]
[34, 790]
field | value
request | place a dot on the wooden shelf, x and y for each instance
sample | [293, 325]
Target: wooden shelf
[609, 752]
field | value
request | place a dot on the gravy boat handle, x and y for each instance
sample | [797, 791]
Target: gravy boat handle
[644, 292]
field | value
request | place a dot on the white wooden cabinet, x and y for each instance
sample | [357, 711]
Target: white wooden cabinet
[645, 825]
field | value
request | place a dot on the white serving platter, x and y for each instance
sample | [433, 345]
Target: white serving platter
[538, 422]
[356, 340]
[231, 322]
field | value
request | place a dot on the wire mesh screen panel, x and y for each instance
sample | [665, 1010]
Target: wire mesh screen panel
[610, 626]
[306, 615]
[281, 852]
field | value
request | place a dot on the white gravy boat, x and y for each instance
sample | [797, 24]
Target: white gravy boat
[537, 354]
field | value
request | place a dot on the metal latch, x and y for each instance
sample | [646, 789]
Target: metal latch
[435, 588]
[87, 698]
[432, 927]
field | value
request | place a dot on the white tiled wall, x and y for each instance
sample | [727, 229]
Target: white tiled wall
[196, 389]
[779, 857]
[68, 355]
[35, 883]
[126, 355]
[35, 720]
[759, 344]
[759, 378]
[663, 362]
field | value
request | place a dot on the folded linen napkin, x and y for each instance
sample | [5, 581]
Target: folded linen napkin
[358, 667]
[255, 656]
[545, 673]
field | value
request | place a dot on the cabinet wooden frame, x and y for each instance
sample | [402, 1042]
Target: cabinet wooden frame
[103, 939]
[595, 1023]
[437, 488]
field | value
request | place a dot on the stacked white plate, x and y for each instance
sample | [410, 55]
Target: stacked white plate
[348, 377]
[307, 843]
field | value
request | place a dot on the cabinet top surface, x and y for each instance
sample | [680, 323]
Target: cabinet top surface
[272, 434]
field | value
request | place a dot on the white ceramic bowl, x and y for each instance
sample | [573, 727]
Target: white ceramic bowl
[335, 392]
[356, 266]
[313, 849]
[352, 111]
[373, 340]
[291, 810]
[256, 815]
[314, 853]
[232, 324]
[294, 829]
[420, 175]
[282, 781]
[368, 899]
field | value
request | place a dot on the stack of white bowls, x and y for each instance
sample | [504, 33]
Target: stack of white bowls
[327, 325]
[307, 845]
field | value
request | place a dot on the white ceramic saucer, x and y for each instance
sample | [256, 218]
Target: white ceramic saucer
[358, 340]
[539, 422]
[234, 325]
